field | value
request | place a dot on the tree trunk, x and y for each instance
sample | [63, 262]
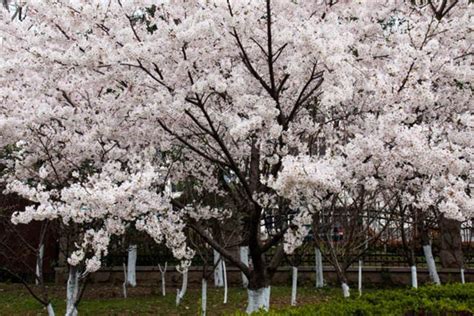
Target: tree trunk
[163, 278]
[340, 272]
[39, 264]
[431, 264]
[409, 249]
[345, 289]
[319, 268]
[451, 254]
[218, 272]
[132, 265]
[259, 285]
[125, 280]
[258, 299]
[204, 297]
[244, 257]
[414, 278]
[225, 281]
[294, 285]
[184, 287]
[50, 309]
[428, 252]
[342, 278]
[72, 291]
[360, 278]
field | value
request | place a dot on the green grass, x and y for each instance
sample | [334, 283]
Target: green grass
[15, 300]
[99, 300]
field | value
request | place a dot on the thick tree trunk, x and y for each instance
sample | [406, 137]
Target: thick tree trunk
[294, 284]
[319, 268]
[132, 265]
[258, 299]
[431, 264]
[72, 291]
[218, 272]
[259, 285]
[451, 254]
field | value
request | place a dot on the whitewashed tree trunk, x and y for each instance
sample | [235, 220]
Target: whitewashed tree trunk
[360, 278]
[132, 265]
[463, 281]
[39, 264]
[225, 281]
[204, 297]
[163, 278]
[72, 291]
[50, 309]
[244, 258]
[218, 273]
[258, 299]
[414, 277]
[184, 287]
[294, 285]
[124, 284]
[345, 290]
[431, 264]
[319, 268]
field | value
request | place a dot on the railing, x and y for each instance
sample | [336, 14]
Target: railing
[376, 258]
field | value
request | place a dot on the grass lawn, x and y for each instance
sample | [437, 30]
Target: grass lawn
[107, 300]
[15, 300]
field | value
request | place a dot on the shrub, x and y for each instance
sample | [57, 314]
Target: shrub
[451, 299]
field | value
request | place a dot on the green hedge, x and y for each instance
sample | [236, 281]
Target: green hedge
[451, 299]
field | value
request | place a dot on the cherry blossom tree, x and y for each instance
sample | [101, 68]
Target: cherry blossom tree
[414, 139]
[273, 106]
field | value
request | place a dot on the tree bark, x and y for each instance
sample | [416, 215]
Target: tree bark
[294, 285]
[163, 278]
[360, 278]
[204, 297]
[345, 290]
[39, 264]
[72, 291]
[428, 252]
[451, 254]
[224, 270]
[244, 257]
[319, 268]
[184, 287]
[132, 265]
[50, 309]
[218, 272]
[431, 264]
[258, 299]
[414, 278]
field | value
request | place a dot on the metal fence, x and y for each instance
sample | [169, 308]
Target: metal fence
[152, 256]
